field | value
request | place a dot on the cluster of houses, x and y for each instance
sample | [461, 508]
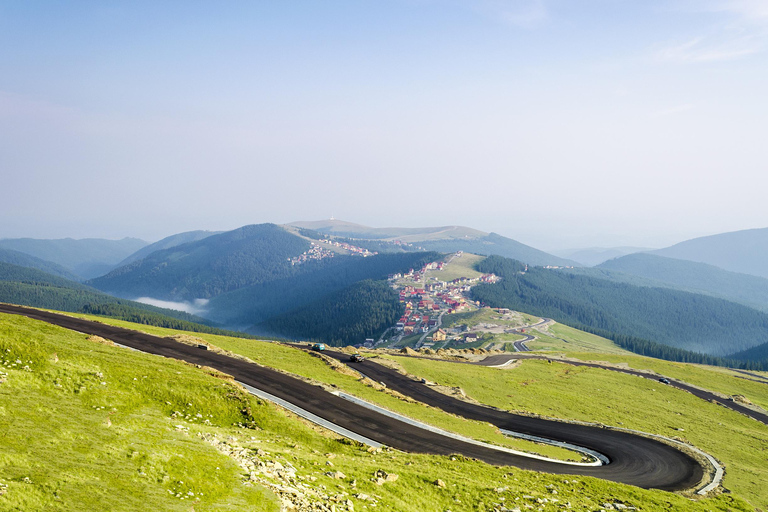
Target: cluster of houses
[315, 252]
[424, 303]
[353, 249]
[318, 252]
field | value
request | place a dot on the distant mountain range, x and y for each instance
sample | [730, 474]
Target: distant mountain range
[25, 260]
[690, 276]
[286, 279]
[738, 251]
[442, 239]
[86, 258]
[351, 230]
[166, 243]
[596, 255]
[250, 275]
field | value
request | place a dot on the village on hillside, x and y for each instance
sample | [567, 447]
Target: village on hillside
[427, 298]
[321, 249]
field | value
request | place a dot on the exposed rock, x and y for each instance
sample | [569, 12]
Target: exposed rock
[439, 483]
[381, 477]
[99, 339]
[282, 479]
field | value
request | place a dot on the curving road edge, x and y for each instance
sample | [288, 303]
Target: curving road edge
[634, 460]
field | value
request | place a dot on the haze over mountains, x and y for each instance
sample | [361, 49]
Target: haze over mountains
[86, 258]
[692, 276]
[739, 251]
[282, 280]
[441, 239]
[596, 255]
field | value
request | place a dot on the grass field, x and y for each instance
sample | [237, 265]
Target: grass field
[463, 266]
[489, 316]
[585, 346]
[586, 394]
[71, 443]
[307, 365]
[559, 337]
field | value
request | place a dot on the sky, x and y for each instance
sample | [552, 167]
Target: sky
[561, 124]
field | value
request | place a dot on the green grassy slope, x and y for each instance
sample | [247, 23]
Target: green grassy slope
[585, 394]
[59, 453]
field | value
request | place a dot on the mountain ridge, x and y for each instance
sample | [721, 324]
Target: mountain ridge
[689, 275]
[738, 251]
[85, 257]
[442, 239]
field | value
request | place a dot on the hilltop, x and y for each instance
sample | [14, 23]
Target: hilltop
[738, 251]
[746, 289]
[441, 239]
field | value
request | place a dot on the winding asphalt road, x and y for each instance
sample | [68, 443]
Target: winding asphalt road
[498, 360]
[520, 345]
[634, 460]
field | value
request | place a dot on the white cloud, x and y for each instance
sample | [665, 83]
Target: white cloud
[194, 308]
[711, 49]
[752, 10]
[737, 29]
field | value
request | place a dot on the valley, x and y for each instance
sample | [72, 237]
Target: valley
[464, 354]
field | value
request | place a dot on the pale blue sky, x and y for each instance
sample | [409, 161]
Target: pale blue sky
[558, 123]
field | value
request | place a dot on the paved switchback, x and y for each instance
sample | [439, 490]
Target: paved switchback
[635, 460]
[498, 360]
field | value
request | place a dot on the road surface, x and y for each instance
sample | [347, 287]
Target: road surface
[498, 360]
[634, 460]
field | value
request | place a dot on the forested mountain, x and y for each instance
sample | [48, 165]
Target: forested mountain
[25, 260]
[16, 273]
[675, 318]
[758, 353]
[86, 258]
[349, 316]
[167, 243]
[32, 287]
[256, 303]
[441, 239]
[737, 251]
[209, 267]
[692, 276]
